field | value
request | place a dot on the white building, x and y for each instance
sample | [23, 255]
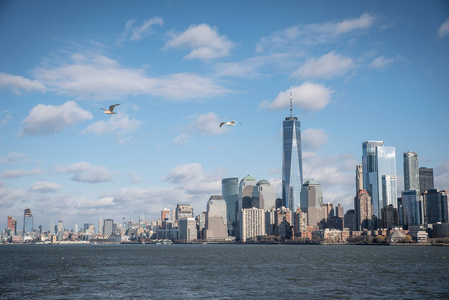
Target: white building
[252, 223]
[264, 196]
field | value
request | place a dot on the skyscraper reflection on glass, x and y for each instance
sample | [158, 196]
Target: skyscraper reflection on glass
[292, 179]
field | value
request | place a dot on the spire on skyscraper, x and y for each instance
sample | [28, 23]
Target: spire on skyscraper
[291, 102]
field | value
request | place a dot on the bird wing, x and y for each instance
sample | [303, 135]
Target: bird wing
[221, 124]
[111, 108]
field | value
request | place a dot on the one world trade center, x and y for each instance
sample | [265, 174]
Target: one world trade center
[291, 161]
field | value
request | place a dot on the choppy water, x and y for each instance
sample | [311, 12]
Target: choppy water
[223, 271]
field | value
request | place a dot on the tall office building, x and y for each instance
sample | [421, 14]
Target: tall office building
[12, 225]
[312, 202]
[27, 221]
[216, 222]
[187, 229]
[437, 208]
[230, 192]
[165, 214]
[292, 179]
[425, 179]
[100, 226]
[339, 211]
[358, 178]
[60, 226]
[412, 208]
[183, 211]
[411, 171]
[252, 223]
[378, 161]
[350, 220]
[263, 195]
[108, 227]
[363, 210]
[246, 192]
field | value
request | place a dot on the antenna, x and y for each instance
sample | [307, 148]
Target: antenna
[291, 101]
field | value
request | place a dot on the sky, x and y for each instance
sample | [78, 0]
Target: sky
[358, 70]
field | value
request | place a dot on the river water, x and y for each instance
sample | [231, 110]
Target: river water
[223, 271]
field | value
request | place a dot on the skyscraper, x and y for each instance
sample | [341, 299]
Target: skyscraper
[252, 223]
[369, 165]
[425, 179]
[292, 179]
[411, 171]
[216, 222]
[183, 211]
[358, 178]
[230, 192]
[264, 196]
[412, 208]
[312, 202]
[107, 228]
[363, 210]
[246, 192]
[27, 221]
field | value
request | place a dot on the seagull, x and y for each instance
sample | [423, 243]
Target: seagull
[110, 110]
[230, 123]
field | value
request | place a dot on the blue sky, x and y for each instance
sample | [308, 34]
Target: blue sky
[359, 71]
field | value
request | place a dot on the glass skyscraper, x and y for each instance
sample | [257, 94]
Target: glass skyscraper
[411, 171]
[292, 179]
[27, 221]
[230, 192]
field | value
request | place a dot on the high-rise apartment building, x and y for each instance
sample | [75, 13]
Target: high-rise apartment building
[246, 192]
[300, 221]
[165, 214]
[216, 222]
[350, 220]
[12, 225]
[263, 195]
[283, 223]
[411, 171]
[27, 221]
[363, 210]
[339, 211]
[437, 208]
[358, 178]
[292, 179]
[389, 190]
[425, 179]
[230, 193]
[252, 223]
[187, 230]
[312, 202]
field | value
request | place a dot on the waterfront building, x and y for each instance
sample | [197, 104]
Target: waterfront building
[27, 221]
[412, 210]
[312, 202]
[300, 223]
[230, 193]
[252, 223]
[350, 220]
[411, 171]
[283, 221]
[187, 229]
[216, 222]
[358, 178]
[183, 211]
[107, 227]
[425, 179]
[292, 178]
[263, 195]
[246, 192]
[390, 216]
[436, 206]
[363, 210]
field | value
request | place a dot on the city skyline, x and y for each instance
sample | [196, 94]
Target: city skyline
[358, 71]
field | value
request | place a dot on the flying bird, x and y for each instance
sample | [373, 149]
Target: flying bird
[110, 111]
[230, 123]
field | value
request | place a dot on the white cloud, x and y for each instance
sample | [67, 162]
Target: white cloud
[93, 76]
[327, 66]
[13, 157]
[84, 172]
[204, 41]
[313, 139]
[309, 96]
[444, 29]
[364, 21]
[45, 187]
[20, 173]
[134, 32]
[119, 124]
[5, 117]
[47, 119]
[19, 83]
[380, 62]
[441, 174]
[207, 124]
[191, 178]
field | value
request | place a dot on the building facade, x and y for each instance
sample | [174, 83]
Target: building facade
[252, 223]
[411, 171]
[216, 221]
[358, 178]
[187, 230]
[246, 187]
[363, 210]
[312, 202]
[292, 179]
[412, 210]
[230, 193]
[27, 221]
[425, 179]
[263, 195]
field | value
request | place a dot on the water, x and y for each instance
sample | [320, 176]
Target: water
[223, 271]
